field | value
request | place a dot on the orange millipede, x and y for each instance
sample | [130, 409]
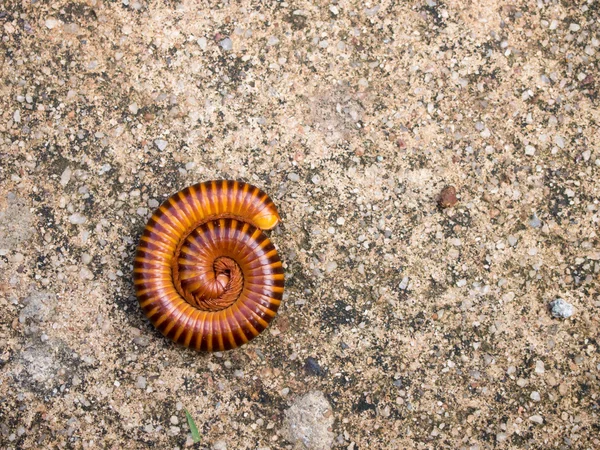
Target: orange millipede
[204, 272]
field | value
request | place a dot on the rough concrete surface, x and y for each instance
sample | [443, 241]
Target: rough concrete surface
[424, 322]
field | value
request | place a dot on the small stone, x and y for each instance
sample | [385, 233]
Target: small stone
[539, 367]
[340, 221]
[174, 420]
[226, 44]
[17, 116]
[535, 221]
[312, 367]
[308, 422]
[537, 419]
[77, 219]
[65, 176]
[51, 23]
[404, 283]
[512, 240]
[529, 150]
[86, 274]
[574, 27]
[501, 437]
[219, 445]
[141, 382]
[447, 198]
[202, 42]
[331, 266]
[86, 258]
[293, 177]
[561, 309]
[161, 144]
[273, 40]
[535, 396]
[586, 155]
[133, 108]
[142, 341]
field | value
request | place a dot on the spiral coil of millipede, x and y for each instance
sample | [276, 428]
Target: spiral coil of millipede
[205, 274]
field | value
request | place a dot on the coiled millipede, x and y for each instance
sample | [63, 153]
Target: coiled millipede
[205, 274]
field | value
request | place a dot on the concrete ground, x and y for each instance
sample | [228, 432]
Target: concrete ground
[405, 324]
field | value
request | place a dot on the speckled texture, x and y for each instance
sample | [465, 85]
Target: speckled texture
[423, 327]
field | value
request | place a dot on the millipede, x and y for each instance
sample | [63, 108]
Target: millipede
[205, 273]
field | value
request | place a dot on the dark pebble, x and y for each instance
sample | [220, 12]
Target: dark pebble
[312, 367]
[447, 198]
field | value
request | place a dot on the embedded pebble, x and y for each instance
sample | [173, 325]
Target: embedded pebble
[219, 445]
[161, 144]
[51, 23]
[536, 419]
[561, 309]
[141, 382]
[226, 44]
[77, 219]
[308, 422]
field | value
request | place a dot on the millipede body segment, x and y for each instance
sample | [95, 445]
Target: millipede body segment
[205, 274]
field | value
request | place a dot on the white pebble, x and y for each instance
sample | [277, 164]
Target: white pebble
[340, 221]
[51, 22]
[86, 274]
[539, 367]
[141, 382]
[220, 445]
[537, 419]
[226, 44]
[77, 219]
[561, 309]
[160, 144]
[529, 150]
[133, 108]
[202, 42]
[560, 141]
[404, 283]
[65, 176]
[535, 396]
[293, 176]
